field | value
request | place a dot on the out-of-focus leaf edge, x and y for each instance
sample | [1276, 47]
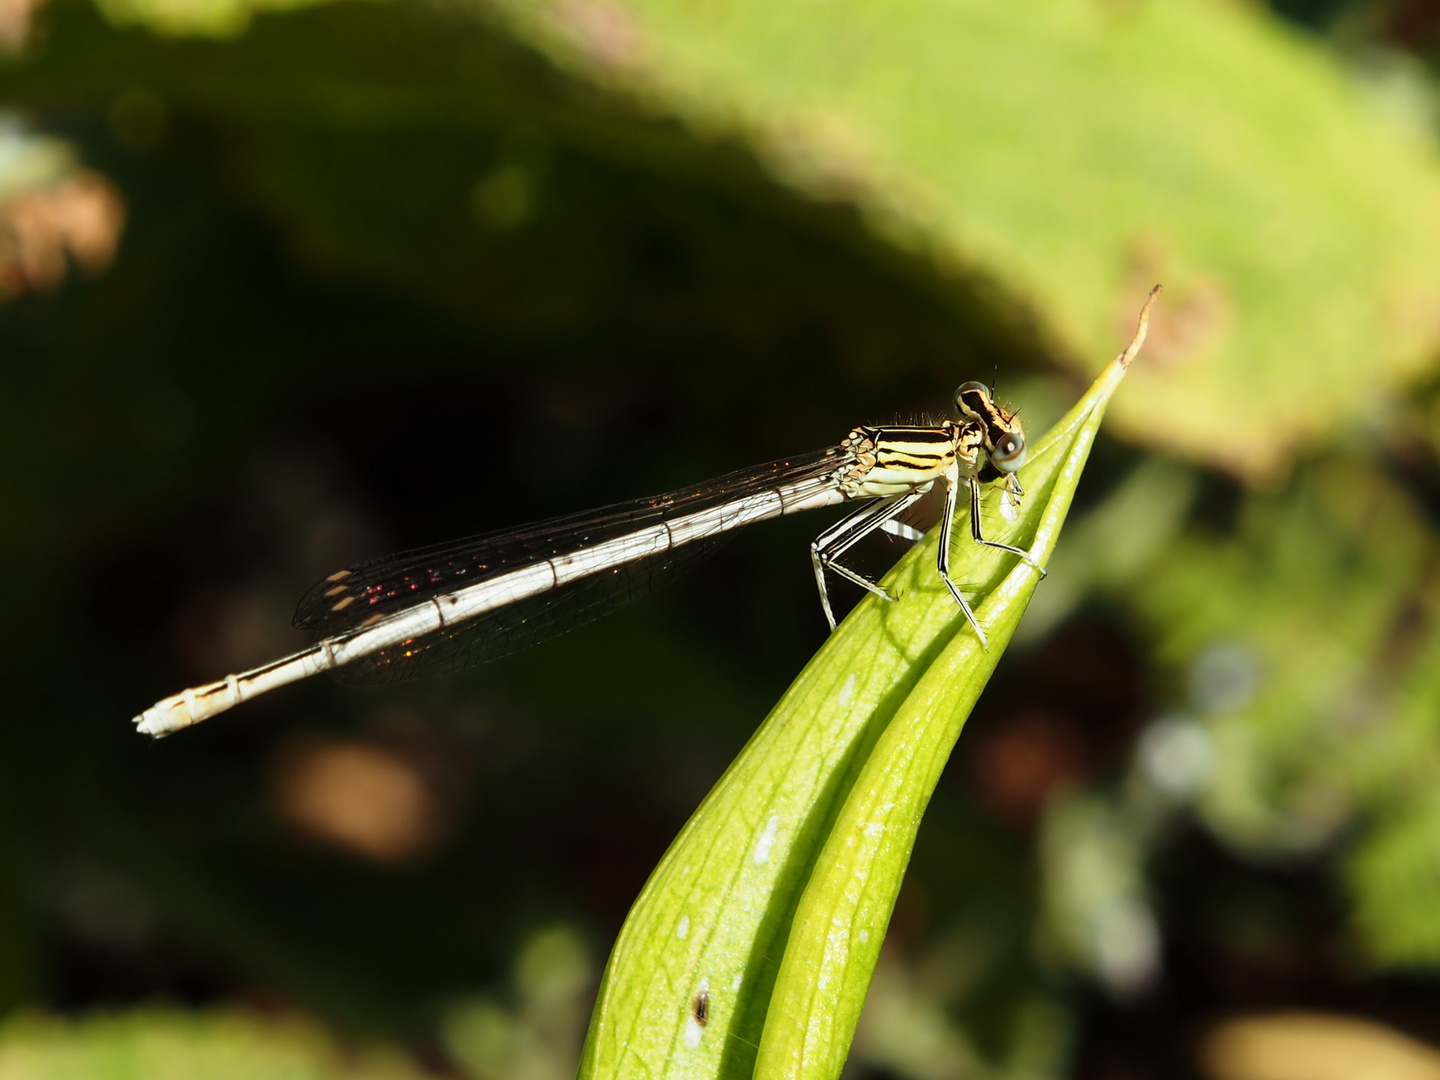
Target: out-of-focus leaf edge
[751, 948]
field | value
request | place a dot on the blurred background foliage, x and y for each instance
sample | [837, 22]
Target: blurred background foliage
[283, 286]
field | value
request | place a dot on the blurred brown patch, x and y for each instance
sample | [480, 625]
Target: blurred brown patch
[1314, 1046]
[1019, 764]
[1069, 711]
[217, 628]
[358, 796]
[1413, 24]
[15, 18]
[606, 32]
[42, 231]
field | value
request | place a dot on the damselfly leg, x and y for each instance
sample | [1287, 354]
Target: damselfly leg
[845, 534]
[952, 498]
[1012, 491]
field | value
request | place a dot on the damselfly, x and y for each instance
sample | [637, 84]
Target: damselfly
[447, 607]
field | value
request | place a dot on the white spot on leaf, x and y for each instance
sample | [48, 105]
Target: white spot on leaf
[766, 841]
[693, 1032]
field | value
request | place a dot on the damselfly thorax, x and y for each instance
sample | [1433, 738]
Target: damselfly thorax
[896, 460]
[448, 607]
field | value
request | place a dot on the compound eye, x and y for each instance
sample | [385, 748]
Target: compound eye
[966, 400]
[1009, 453]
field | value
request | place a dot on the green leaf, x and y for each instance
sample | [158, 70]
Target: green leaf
[210, 18]
[1076, 151]
[1065, 151]
[160, 1044]
[771, 905]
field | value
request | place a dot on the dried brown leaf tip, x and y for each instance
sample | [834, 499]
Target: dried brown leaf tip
[1141, 330]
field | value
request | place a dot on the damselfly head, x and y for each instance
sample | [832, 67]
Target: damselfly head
[1004, 434]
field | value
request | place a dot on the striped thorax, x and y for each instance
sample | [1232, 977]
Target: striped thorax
[896, 460]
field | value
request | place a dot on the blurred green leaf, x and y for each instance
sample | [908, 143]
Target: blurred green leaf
[1044, 162]
[161, 1044]
[212, 18]
[1284, 628]
[1075, 150]
[539, 1039]
[1395, 875]
[1098, 918]
[424, 152]
[1311, 651]
[797, 855]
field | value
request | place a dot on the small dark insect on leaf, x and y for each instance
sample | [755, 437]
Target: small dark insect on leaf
[700, 1008]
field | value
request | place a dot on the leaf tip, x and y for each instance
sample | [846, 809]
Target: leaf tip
[1141, 330]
